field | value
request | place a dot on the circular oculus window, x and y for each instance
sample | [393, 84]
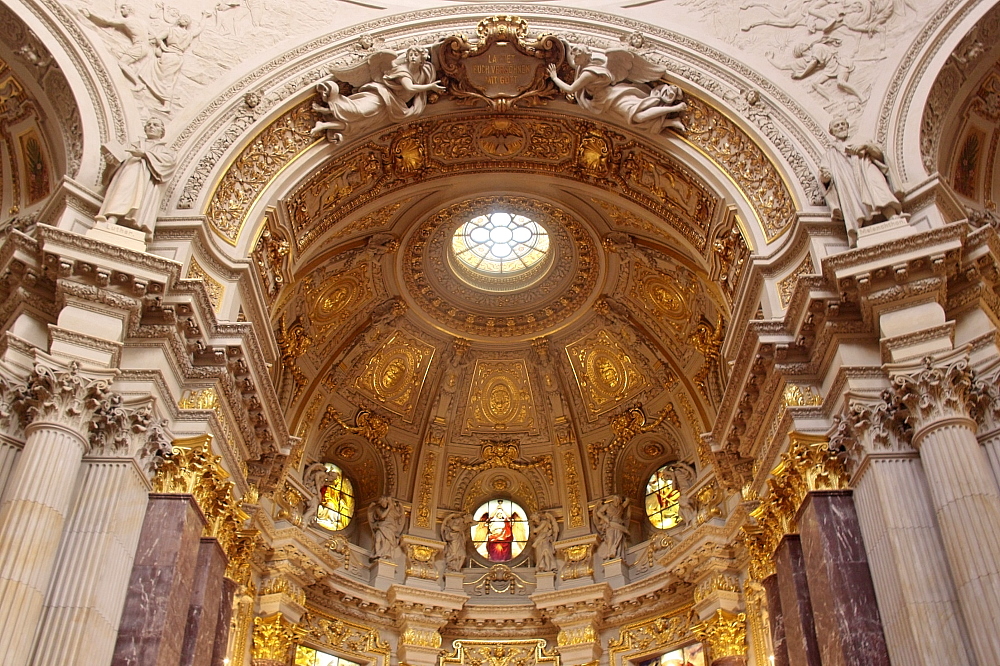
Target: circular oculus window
[500, 244]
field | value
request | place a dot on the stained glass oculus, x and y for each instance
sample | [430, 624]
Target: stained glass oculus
[500, 243]
[500, 530]
[663, 506]
[336, 507]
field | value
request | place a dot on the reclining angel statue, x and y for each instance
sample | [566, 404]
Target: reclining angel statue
[612, 83]
[390, 87]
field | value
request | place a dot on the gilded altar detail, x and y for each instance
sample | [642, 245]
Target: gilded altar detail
[420, 561]
[646, 637]
[577, 636]
[213, 287]
[578, 561]
[524, 652]
[606, 372]
[500, 398]
[375, 428]
[396, 372]
[725, 634]
[336, 298]
[626, 426]
[421, 638]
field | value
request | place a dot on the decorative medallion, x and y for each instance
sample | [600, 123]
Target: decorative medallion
[666, 297]
[395, 373]
[605, 372]
[500, 398]
[337, 298]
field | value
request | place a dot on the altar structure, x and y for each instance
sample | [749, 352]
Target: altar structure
[342, 333]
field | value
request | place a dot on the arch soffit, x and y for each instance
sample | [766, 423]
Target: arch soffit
[713, 77]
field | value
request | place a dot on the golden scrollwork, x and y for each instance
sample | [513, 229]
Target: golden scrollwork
[375, 428]
[271, 255]
[421, 638]
[500, 398]
[499, 578]
[605, 371]
[577, 636]
[796, 395]
[665, 295]
[212, 286]
[718, 582]
[626, 426]
[577, 561]
[282, 586]
[725, 633]
[337, 298]
[396, 372]
[573, 490]
[515, 652]
[426, 490]
[274, 638]
[649, 636]
[345, 636]
[787, 284]
[377, 219]
[420, 560]
[495, 453]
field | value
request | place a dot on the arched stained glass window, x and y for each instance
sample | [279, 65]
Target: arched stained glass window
[663, 507]
[336, 507]
[500, 530]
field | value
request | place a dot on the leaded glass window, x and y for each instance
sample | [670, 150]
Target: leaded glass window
[500, 530]
[336, 507]
[663, 507]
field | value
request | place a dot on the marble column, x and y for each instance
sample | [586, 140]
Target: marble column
[203, 609]
[777, 620]
[963, 490]
[84, 604]
[163, 576]
[59, 405]
[845, 613]
[223, 623]
[796, 607]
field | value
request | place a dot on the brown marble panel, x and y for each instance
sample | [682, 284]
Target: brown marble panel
[225, 621]
[152, 627]
[845, 612]
[203, 611]
[797, 612]
[777, 620]
[729, 661]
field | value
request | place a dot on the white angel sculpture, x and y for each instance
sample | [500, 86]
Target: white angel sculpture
[613, 82]
[391, 87]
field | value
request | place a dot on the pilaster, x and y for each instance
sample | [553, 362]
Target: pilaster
[421, 614]
[274, 640]
[725, 634]
[577, 612]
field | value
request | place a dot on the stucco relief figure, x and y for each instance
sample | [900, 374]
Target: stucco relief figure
[138, 170]
[135, 29]
[611, 523]
[822, 62]
[392, 87]
[169, 49]
[855, 177]
[613, 83]
[455, 534]
[544, 528]
[316, 477]
[386, 517]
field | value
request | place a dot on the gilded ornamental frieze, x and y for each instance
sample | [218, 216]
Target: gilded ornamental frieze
[394, 374]
[606, 372]
[526, 652]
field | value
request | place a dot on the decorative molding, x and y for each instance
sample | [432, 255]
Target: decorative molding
[725, 634]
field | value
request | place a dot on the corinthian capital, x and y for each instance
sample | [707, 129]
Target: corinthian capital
[871, 425]
[63, 396]
[935, 389]
[121, 430]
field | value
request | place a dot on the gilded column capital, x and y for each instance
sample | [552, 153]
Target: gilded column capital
[274, 639]
[935, 389]
[725, 634]
[62, 395]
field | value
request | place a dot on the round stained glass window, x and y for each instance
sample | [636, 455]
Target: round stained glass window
[336, 507]
[500, 530]
[663, 505]
[500, 243]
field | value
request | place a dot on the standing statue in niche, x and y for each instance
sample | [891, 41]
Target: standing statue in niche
[386, 517]
[612, 83]
[138, 169]
[391, 87]
[855, 176]
[131, 58]
[611, 523]
[455, 534]
[544, 529]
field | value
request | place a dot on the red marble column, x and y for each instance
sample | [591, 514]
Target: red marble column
[163, 576]
[845, 611]
[224, 623]
[797, 612]
[203, 610]
[777, 620]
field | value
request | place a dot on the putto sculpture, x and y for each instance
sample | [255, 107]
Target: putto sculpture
[391, 87]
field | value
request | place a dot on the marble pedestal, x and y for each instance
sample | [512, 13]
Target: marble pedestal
[796, 607]
[383, 574]
[615, 572]
[777, 620]
[545, 581]
[845, 612]
[454, 581]
[221, 646]
[163, 575]
[203, 610]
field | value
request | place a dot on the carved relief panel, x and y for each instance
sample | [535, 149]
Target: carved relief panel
[500, 398]
[396, 372]
[336, 298]
[606, 372]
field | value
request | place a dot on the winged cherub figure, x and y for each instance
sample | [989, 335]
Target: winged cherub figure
[391, 87]
[613, 82]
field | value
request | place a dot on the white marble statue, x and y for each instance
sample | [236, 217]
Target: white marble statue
[392, 87]
[455, 534]
[855, 176]
[544, 530]
[130, 59]
[612, 83]
[611, 523]
[316, 477]
[138, 169]
[386, 517]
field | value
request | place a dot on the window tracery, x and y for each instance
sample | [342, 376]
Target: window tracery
[663, 507]
[336, 507]
[500, 530]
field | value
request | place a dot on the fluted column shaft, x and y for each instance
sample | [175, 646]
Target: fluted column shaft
[84, 604]
[36, 502]
[8, 459]
[920, 615]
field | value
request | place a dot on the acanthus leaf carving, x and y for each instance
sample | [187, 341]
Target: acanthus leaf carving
[62, 395]
[935, 389]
